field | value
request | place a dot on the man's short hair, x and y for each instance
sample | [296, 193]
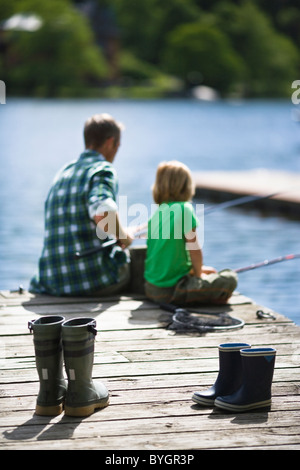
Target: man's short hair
[99, 128]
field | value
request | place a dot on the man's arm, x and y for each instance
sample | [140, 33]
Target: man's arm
[109, 223]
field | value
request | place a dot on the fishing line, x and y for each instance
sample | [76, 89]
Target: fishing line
[245, 199]
[183, 320]
[233, 202]
[222, 205]
[239, 201]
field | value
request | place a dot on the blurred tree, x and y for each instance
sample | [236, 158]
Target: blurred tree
[225, 43]
[201, 49]
[271, 59]
[288, 20]
[57, 59]
[284, 15]
[102, 20]
[144, 24]
[228, 42]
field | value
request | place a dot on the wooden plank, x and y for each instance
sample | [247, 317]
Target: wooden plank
[191, 415]
[180, 386]
[221, 186]
[262, 182]
[161, 339]
[132, 315]
[85, 436]
[151, 373]
[162, 368]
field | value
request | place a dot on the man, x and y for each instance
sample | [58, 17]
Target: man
[80, 214]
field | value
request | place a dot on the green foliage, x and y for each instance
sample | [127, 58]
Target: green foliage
[143, 80]
[232, 45]
[145, 23]
[249, 47]
[200, 49]
[271, 59]
[59, 59]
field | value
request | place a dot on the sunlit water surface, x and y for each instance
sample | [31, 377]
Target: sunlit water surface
[37, 137]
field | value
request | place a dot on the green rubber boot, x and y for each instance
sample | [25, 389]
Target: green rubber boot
[84, 395]
[49, 363]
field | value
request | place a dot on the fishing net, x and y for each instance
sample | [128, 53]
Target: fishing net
[183, 320]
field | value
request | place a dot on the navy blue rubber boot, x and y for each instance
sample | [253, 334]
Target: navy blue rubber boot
[230, 374]
[255, 391]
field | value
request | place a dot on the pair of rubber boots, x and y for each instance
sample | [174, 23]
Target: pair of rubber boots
[244, 381]
[72, 342]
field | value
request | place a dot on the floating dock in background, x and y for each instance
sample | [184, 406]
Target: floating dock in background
[273, 191]
[151, 373]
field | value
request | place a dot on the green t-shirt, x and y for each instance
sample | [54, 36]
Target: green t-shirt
[167, 258]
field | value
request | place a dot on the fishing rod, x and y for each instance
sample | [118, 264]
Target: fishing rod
[239, 201]
[267, 262]
[81, 254]
[245, 199]
[223, 205]
[203, 322]
[261, 264]
[233, 202]
[107, 243]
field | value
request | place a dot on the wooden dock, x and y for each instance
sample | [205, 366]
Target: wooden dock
[273, 191]
[151, 373]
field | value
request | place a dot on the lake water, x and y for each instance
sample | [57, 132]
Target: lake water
[37, 137]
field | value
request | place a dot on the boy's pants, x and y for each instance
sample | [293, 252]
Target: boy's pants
[214, 288]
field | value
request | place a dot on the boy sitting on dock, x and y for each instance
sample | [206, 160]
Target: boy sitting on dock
[174, 270]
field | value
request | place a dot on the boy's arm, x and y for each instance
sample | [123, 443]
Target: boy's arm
[195, 251]
[196, 255]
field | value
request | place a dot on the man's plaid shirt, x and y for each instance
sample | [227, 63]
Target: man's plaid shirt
[68, 228]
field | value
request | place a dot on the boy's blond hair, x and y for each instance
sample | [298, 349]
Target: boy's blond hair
[173, 183]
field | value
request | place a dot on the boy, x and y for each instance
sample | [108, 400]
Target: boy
[174, 271]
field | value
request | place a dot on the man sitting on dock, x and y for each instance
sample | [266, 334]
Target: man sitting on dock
[80, 214]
